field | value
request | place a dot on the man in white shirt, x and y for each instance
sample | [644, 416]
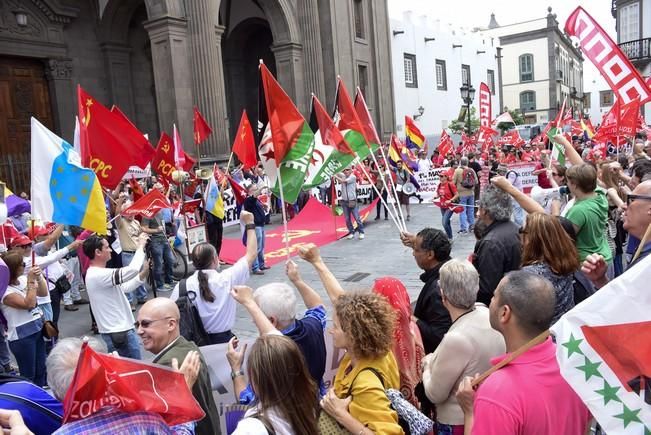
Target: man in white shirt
[106, 290]
[424, 164]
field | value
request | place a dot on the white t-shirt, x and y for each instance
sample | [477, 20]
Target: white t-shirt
[254, 426]
[106, 288]
[18, 316]
[44, 261]
[424, 165]
[217, 316]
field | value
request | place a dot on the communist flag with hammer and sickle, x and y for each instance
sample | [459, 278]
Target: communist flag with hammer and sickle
[110, 143]
[244, 143]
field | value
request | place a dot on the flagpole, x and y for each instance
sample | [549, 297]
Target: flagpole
[284, 213]
[377, 165]
[380, 196]
[394, 191]
[228, 165]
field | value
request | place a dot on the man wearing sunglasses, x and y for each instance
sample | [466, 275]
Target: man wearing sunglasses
[636, 219]
[158, 328]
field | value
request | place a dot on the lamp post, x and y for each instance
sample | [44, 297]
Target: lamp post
[468, 95]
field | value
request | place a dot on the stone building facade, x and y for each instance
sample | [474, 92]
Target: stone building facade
[156, 59]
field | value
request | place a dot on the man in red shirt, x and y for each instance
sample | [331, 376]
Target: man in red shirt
[528, 396]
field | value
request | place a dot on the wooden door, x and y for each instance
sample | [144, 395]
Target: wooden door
[23, 94]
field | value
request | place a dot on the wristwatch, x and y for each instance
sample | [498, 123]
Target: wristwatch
[235, 374]
[249, 226]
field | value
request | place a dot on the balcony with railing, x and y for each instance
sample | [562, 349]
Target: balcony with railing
[639, 50]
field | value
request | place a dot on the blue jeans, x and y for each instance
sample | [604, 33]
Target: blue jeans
[467, 216]
[355, 212]
[518, 214]
[30, 356]
[130, 349]
[259, 238]
[162, 257]
[446, 218]
[140, 292]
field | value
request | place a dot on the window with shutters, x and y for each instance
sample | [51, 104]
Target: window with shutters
[527, 101]
[358, 16]
[490, 80]
[526, 68]
[411, 80]
[629, 22]
[441, 79]
[465, 75]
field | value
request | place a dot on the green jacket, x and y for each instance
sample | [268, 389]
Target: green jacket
[202, 389]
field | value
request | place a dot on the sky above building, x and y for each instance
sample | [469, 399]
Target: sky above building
[469, 14]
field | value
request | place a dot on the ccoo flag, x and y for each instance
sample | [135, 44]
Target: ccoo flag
[62, 190]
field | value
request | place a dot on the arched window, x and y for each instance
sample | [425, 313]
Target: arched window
[526, 68]
[527, 101]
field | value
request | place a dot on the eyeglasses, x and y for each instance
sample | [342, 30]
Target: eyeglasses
[630, 198]
[147, 323]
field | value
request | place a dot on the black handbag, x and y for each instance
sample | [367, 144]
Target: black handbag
[62, 284]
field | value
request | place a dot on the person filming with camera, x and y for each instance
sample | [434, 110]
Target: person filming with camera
[106, 290]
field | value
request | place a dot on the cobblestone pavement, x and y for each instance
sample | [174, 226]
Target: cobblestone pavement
[356, 263]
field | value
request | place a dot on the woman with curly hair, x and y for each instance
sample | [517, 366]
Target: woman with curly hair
[549, 251]
[363, 326]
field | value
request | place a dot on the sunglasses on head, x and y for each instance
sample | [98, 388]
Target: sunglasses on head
[631, 198]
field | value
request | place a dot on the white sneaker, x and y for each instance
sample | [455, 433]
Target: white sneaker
[350, 236]
[361, 236]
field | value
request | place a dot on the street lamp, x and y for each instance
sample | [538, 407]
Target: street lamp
[467, 95]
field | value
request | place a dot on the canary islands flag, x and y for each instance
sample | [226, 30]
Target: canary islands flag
[214, 200]
[62, 190]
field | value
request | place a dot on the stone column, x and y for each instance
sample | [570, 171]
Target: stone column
[289, 69]
[63, 95]
[204, 40]
[308, 20]
[117, 58]
[170, 60]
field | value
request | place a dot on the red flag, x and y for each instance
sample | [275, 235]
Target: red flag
[103, 380]
[285, 121]
[136, 189]
[485, 109]
[370, 133]
[627, 121]
[485, 137]
[190, 206]
[330, 134]
[512, 137]
[109, 141]
[244, 143]
[163, 162]
[148, 151]
[238, 191]
[348, 117]
[445, 144]
[614, 66]
[148, 205]
[201, 128]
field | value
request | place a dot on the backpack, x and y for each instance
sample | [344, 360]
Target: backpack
[468, 178]
[190, 324]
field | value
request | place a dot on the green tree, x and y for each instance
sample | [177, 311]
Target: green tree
[517, 118]
[460, 127]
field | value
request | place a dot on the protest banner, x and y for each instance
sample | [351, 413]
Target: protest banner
[231, 214]
[222, 385]
[136, 172]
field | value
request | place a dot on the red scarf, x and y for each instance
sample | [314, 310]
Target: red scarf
[407, 342]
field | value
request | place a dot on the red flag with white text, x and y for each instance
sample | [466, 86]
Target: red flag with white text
[445, 144]
[622, 77]
[129, 385]
[485, 109]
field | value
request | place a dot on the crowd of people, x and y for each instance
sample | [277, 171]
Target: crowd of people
[535, 257]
